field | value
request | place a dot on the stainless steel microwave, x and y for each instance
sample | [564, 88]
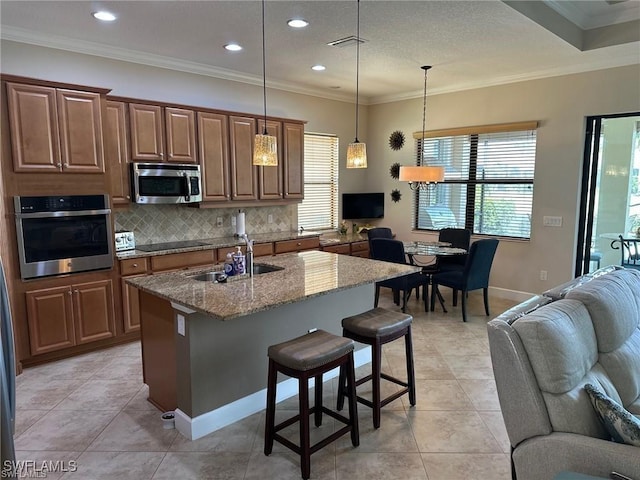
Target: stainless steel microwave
[165, 183]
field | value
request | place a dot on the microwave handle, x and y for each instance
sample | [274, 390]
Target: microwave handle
[187, 187]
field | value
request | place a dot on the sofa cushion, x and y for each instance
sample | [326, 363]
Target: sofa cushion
[561, 344]
[621, 425]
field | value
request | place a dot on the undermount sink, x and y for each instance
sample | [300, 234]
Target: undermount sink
[218, 277]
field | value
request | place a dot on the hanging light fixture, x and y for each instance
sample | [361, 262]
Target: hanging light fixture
[422, 176]
[357, 151]
[265, 150]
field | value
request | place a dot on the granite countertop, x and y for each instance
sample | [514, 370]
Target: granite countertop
[221, 242]
[334, 238]
[305, 275]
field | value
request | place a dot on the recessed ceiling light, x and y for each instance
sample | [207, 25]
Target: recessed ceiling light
[233, 47]
[104, 16]
[318, 68]
[297, 23]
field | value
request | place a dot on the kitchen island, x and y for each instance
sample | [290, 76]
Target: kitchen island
[204, 344]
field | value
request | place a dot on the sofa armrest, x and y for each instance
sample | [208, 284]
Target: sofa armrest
[541, 458]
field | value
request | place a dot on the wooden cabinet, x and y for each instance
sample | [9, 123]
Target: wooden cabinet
[244, 184]
[270, 178]
[213, 148]
[55, 130]
[297, 245]
[61, 317]
[293, 155]
[162, 134]
[259, 250]
[129, 268]
[179, 261]
[116, 151]
[342, 249]
[360, 249]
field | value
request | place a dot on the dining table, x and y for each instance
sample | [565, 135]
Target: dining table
[431, 249]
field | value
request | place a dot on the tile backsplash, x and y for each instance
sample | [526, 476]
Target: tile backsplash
[170, 223]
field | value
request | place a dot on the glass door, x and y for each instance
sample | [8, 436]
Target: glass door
[610, 200]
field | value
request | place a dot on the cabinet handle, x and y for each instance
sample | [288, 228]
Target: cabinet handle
[59, 165]
[69, 292]
[299, 243]
[66, 165]
[135, 265]
[128, 197]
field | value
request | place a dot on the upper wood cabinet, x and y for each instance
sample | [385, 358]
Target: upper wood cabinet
[55, 130]
[116, 151]
[270, 178]
[293, 154]
[244, 184]
[162, 134]
[213, 148]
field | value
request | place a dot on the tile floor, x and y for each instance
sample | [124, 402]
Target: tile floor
[92, 409]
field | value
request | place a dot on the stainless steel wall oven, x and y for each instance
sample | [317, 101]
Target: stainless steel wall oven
[63, 234]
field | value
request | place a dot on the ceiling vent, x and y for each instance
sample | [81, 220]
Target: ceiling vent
[349, 41]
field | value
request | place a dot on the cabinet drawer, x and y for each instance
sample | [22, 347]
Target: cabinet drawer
[342, 249]
[182, 260]
[297, 245]
[359, 246]
[259, 250]
[363, 254]
[134, 266]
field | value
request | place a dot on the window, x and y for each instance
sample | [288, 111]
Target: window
[488, 185]
[319, 209]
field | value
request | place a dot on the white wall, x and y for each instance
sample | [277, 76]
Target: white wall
[560, 105]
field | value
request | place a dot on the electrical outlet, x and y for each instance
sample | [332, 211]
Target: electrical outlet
[219, 222]
[543, 275]
[270, 218]
[181, 329]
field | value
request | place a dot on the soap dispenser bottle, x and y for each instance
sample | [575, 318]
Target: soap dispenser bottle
[228, 265]
[239, 262]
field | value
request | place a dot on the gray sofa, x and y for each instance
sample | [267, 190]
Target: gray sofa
[545, 350]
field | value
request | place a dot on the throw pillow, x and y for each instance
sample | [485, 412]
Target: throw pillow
[621, 425]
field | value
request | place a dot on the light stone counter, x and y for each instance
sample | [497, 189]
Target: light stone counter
[305, 275]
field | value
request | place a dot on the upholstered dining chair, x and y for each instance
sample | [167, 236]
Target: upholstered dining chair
[379, 232]
[630, 248]
[389, 250]
[473, 276]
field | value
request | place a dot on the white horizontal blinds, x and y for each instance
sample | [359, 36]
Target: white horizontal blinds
[319, 209]
[488, 185]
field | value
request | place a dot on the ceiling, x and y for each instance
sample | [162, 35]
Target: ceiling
[470, 44]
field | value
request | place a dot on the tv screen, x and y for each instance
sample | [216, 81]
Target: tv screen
[362, 205]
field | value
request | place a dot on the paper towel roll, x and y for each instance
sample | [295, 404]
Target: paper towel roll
[240, 223]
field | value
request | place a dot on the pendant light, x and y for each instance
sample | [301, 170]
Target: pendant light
[357, 151]
[422, 176]
[265, 152]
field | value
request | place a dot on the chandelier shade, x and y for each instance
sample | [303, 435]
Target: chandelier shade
[265, 146]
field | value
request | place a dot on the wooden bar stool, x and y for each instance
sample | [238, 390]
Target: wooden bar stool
[377, 327]
[304, 357]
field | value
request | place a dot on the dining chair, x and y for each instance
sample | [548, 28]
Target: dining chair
[389, 250]
[458, 238]
[473, 276]
[379, 232]
[630, 248]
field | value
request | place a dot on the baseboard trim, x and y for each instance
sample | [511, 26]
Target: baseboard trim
[510, 294]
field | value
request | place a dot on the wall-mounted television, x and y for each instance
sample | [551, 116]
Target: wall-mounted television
[360, 206]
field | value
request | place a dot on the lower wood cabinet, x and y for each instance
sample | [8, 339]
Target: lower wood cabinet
[342, 249]
[285, 246]
[61, 317]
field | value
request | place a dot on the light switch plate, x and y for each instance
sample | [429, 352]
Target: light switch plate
[549, 221]
[181, 324]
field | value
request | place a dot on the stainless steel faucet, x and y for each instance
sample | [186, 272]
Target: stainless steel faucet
[249, 254]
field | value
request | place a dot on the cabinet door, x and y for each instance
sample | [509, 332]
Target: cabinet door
[213, 143]
[130, 306]
[34, 128]
[181, 135]
[93, 311]
[116, 151]
[293, 154]
[147, 137]
[243, 174]
[270, 178]
[80, 121]
[50, 319]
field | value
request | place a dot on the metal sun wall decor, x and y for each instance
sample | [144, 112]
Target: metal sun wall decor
[396, 140]
[396, 195]
[394, 171]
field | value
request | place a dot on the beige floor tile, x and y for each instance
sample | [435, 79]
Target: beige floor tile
[285, 465]
[495, 423]
[238, 437]
[439, 395]
[25, 418]
[455, 432]
[292, 432]
[202, 466]
[122, 367]
[380, 466]
[466, 466]
[50, 465]
[116, 465]
[76, 368]
[463, 346]
[426, 368]
[134, 431]
[472, 367]
[62, 430]
[44, 393]
[140, 401]
[483, 393]
[99, 394]
[394, 434]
